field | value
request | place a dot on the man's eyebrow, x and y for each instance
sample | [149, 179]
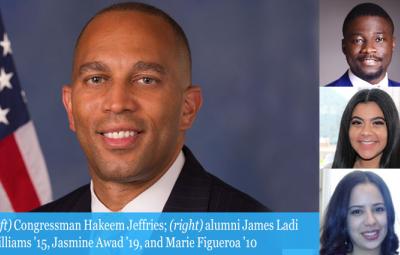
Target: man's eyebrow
[356, 33]
[361, 33]
[93, 66]
[139, 66]
[145, 66]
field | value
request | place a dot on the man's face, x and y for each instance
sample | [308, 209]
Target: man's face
[130, 100]
[368, 45]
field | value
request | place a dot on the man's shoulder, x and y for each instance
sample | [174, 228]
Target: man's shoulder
[227, 198]
[199, 191]
[78, 200]
[343, 81]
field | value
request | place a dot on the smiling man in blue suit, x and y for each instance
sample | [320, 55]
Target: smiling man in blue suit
[130, 102]
[368, 44]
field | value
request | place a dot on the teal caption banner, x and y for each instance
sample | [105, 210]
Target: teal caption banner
[159, 233]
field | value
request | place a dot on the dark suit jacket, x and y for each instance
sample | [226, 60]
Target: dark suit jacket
[344, 81]
[195, 191]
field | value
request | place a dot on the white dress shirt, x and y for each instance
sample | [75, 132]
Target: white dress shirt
[361, 84]
[152, 199]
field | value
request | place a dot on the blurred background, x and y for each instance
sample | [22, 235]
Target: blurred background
[257, 64]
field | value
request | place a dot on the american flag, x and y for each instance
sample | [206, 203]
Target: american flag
[24, 181]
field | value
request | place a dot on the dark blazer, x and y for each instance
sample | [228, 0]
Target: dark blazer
[195, 190]
[344, 81]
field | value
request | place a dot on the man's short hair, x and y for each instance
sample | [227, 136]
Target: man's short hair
[366, 9]
[148, 9]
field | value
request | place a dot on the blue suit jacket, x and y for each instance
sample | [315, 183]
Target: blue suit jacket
[344, 81]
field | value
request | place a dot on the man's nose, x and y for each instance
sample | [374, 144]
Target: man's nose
[119, 98]
[369, 47]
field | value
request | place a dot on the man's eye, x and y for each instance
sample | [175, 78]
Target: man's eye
[358, 41]
[147, 80]
[95, 80]
[379, 39]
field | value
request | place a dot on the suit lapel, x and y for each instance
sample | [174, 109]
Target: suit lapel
[191, 192]
[393, 84]
[83, 203]
[344, 81]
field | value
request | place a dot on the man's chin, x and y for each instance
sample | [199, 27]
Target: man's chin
[123, 176]
[371, 76]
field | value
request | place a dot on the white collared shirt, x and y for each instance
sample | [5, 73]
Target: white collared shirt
[152, 199]
[361, 84]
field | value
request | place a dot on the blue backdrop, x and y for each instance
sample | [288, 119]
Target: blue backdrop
[256, 61]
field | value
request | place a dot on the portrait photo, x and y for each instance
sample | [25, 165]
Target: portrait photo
[250, 108]
[351, 33]
[358, 211]
[342, 111]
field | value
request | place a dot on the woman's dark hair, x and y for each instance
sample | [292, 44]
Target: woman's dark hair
[345, 155]
[335, 238]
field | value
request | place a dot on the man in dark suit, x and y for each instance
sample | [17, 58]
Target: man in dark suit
[368, 44]
[130, 103]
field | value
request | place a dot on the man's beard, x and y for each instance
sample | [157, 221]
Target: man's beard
[371, 76]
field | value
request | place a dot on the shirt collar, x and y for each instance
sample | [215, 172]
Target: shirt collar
[152, 199]
[361, 84]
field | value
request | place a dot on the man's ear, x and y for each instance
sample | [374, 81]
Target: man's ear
[66, 97]
[394, 42]
[192, 103]
[343, 47]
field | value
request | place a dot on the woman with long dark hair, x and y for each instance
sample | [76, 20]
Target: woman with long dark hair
[359, 218]
[369, 132]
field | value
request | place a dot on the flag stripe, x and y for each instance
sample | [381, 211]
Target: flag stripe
[30, 151]
[15, 178]
[5, 205]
